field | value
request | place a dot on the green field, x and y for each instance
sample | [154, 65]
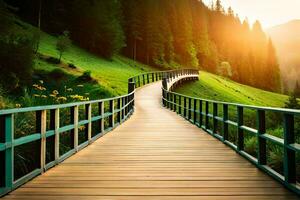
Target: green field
[217, 88]
[110, 74]
[109, 77]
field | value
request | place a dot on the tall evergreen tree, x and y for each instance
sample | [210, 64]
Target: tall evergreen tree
[297, 89]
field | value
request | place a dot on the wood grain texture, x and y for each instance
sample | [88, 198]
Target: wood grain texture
[154, 155]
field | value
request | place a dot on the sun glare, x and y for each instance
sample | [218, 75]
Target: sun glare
[268, 12]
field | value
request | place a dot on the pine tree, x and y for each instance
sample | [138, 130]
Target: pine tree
[63, 43]
[230, 12]
[297, 90]
[292, 102]
[218, 7]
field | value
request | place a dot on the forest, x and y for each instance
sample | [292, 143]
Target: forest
[162, 33]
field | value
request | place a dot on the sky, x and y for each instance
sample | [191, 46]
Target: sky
[269, 12]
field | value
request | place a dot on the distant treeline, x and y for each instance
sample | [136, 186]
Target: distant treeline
[164, 33]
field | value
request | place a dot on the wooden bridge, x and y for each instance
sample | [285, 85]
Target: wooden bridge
[155, 154]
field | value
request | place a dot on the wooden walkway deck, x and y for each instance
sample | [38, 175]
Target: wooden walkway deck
[154, 155]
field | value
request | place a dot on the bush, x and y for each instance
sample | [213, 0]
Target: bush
[57, 75]
[72, 66]
[53, 60]
[86, 77]
[16, 59]
[63, 43]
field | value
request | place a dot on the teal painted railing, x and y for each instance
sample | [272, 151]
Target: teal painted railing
[232, 132]
[58, 131]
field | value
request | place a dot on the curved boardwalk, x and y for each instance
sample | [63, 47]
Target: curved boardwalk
[154, 155]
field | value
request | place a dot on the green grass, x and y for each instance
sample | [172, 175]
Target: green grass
[110, 74]
[217, 88]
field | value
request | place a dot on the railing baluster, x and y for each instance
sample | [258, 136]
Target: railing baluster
[261, 142]
[41, 121]
[184, 107]
[111, 118]
[289, 163]
[171, 101]
[225, 124]
[139, 81]
[101, 113]
[120, 111]
[240, 121]
[200, 114]
[153, 77]
[55, 118]
[8, 162]
[123, 108]
[180, 107]
[190, 109]
[175, 102]
[168, 100]
[88, 110]
[75, 122]
[215, 121]
[206, 115]
[195, 111]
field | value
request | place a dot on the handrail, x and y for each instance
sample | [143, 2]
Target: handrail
[206, 115]
[98, 118]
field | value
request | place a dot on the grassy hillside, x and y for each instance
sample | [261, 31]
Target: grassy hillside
[218, 88]
[111, 74]
[98, 77]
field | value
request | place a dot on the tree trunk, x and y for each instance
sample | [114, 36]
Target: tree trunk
[60, 55]
[134, 50]
[40, 15]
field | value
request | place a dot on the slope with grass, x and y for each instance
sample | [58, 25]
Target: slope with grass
[214, 87]
[100, 78]
[111, 74]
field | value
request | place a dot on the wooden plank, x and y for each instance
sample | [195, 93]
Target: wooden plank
[154, 155]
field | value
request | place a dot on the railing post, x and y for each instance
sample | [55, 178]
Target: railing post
[215, 121]
[195, 111]
[123, 108]
[120, 111]
[180, 107]
[175, 102]
[131, 88]
[101, 113]
[171, 101]
[143, 79]
[240, 121]
[206, 115]
[8, 159]
[139, 81]
[163, 98]
[184, 107]
[200, 114]
[55, 126]
[148, 79]
[289, 163]
[41, 128]
[133, 101]
[164, 83]
[261, 142]
[111, 118]
[225, 124]
[88, 110]
[75, 122]
[168, 100]
[190, 109]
